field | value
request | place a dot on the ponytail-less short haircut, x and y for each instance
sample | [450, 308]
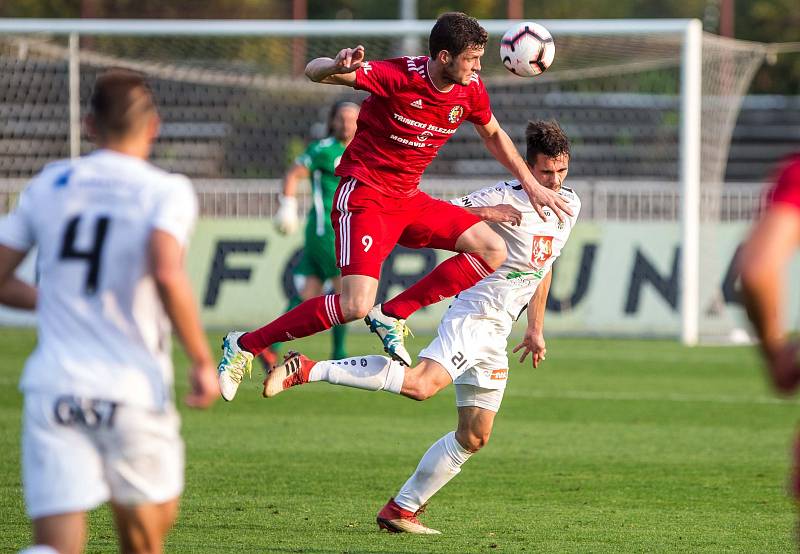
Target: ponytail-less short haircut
[545, 137]
[335, 111]
[455, 32]
[120, 102]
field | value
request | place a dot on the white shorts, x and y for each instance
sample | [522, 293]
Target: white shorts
[78, 454]
[471, 396]
[471, 344]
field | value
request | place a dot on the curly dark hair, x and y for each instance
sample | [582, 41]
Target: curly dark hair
[545, 137]
[455, 32]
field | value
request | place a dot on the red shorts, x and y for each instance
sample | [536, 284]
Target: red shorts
[368, 224]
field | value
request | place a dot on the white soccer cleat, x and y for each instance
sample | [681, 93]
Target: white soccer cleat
[392, 333]
[234, 363]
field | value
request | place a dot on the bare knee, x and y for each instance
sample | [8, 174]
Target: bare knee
[494, 252]
[355, 306]
[485, 243]
[473, 440]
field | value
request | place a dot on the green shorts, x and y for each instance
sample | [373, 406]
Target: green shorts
[319, 257]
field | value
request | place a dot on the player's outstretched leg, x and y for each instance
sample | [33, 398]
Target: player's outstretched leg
[392, 332]
[395, 519]
[238, 349]
[235, 361]
[482, 250]
[362, 372]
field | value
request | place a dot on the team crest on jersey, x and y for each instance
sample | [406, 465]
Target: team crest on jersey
[542, 250]
[455, 115]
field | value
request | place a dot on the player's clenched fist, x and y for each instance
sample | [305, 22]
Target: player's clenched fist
[349, 59]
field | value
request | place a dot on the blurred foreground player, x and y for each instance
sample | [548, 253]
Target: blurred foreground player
[318, 263]
[99, 422]
[415, 105]
[470, 349]
[763, 263]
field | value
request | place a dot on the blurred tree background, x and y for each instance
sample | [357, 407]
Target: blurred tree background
[755, 20]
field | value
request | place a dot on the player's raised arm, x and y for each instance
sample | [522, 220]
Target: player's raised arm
[503, 149]
[339, 70]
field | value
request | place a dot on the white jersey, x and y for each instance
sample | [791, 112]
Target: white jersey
[532, 246]
[102, 330]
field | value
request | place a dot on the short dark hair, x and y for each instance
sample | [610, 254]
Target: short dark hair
[545, 137]
[334, 111]
[455, 32]
[120, 99]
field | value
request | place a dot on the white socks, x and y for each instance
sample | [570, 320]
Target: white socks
[361, 372]
[441, 462]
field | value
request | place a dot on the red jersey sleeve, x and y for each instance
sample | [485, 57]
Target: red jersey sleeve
[787, 186]
[382, 77]
[481, 110]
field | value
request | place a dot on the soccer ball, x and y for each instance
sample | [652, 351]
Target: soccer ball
[527, 49]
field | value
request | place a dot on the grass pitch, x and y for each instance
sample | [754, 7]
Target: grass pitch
[611, 446]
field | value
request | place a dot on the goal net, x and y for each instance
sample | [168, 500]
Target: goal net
[237, 110]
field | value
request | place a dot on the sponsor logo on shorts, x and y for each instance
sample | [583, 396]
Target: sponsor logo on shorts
[499, 375]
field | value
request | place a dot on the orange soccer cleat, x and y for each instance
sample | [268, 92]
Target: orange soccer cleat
[294, 371]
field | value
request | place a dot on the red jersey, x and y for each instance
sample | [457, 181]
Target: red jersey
[787, 186]
[405, 121]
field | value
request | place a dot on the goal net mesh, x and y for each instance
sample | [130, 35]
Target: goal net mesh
[237, 110]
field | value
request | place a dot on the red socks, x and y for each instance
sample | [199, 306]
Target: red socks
[447, 279]
[323, 312]
[310, 317]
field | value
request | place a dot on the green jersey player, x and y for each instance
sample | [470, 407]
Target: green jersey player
[318, 264]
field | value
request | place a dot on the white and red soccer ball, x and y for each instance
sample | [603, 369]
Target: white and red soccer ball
[527, 49]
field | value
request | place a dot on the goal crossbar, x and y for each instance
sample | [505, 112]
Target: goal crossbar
[690, 31]
[278, 27]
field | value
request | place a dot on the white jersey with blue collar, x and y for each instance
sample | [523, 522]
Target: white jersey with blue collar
[102, 330]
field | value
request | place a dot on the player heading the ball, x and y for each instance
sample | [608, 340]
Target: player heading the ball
[415, 105]
[470, 348]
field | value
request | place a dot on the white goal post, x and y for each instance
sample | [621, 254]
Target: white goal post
[691, 95]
